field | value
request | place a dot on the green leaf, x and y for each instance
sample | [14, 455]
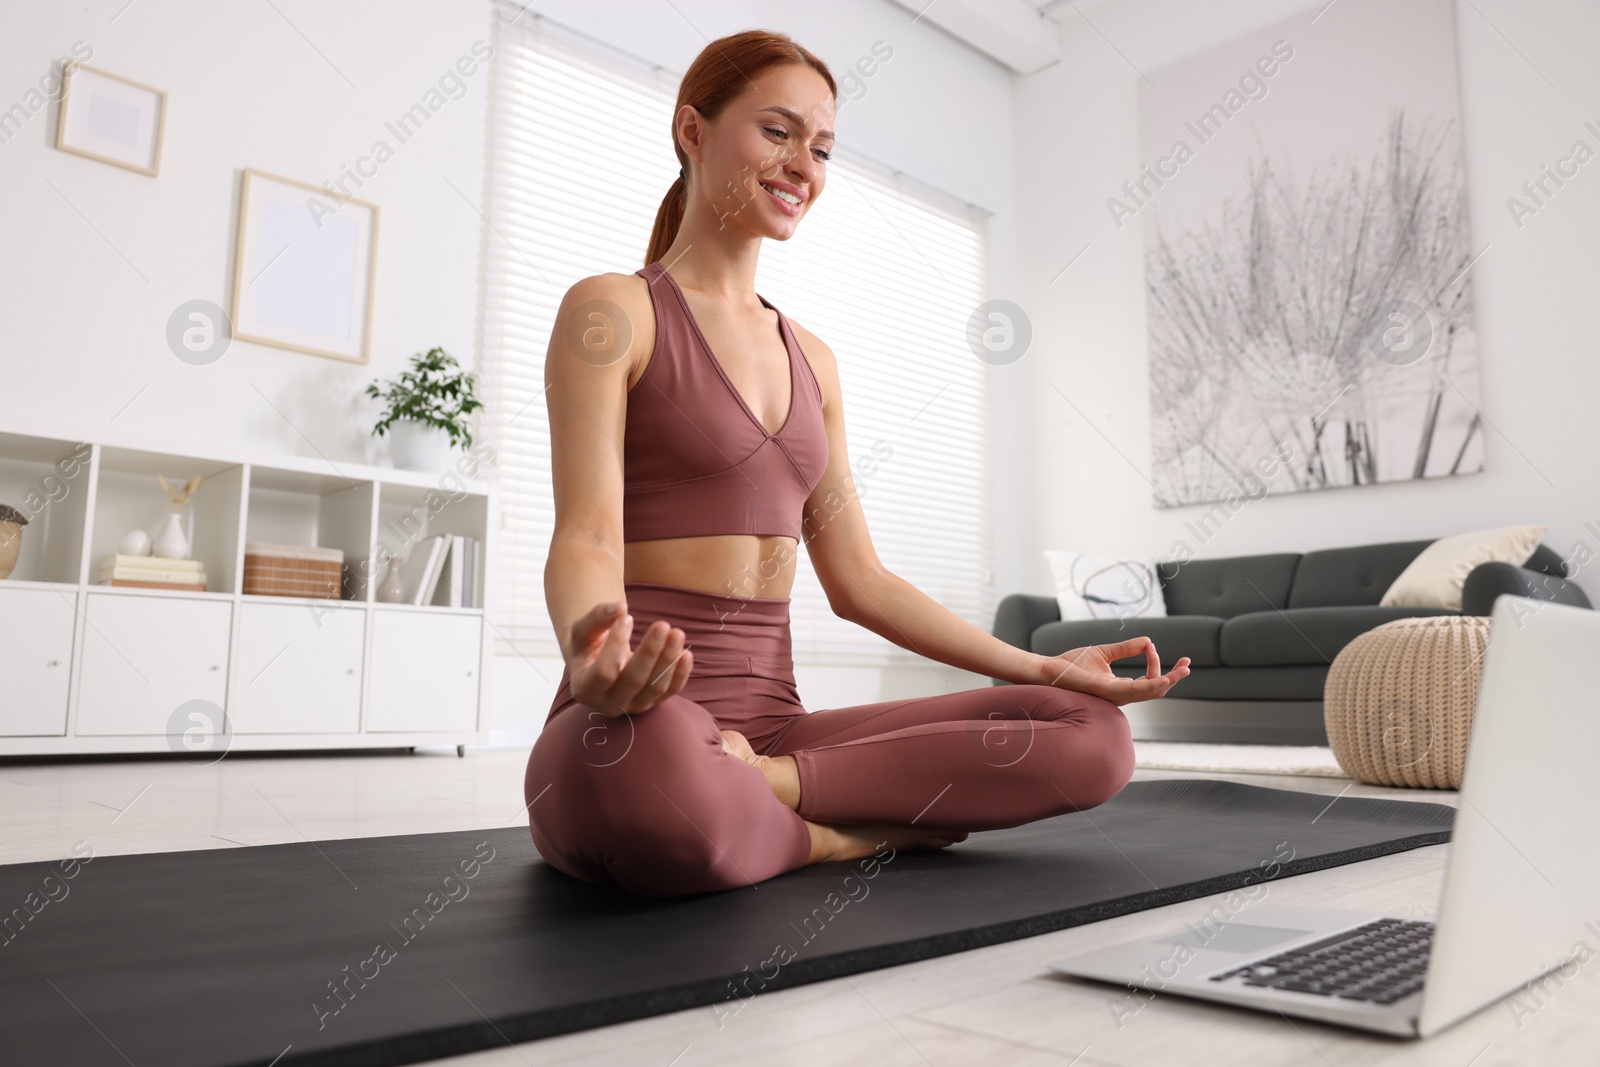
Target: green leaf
[432, 390]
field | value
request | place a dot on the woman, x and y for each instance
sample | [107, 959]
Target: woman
[697, 436]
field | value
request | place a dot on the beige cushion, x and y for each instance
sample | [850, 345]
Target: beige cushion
[1434, 579]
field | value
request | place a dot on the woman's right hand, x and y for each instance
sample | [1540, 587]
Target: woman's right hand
[606, 674]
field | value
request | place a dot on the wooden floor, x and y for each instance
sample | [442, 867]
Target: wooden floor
[997, 1006]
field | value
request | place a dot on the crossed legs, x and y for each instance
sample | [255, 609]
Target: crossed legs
[982, 759]
[656, 801]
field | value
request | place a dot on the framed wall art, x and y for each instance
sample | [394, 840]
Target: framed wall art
[110, 118]
[1308, 258]
[304, 271]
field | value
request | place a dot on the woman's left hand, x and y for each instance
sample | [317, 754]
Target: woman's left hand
[1088, 670]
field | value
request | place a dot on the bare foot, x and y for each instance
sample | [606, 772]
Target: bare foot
[783, 775]
[856, 842]
[833, 842]
[736, 744]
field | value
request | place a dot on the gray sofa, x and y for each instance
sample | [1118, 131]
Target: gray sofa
[1260, 631]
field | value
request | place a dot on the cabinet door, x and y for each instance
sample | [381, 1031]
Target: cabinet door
[144, 656]
[424, 671]
[35, 654]
[299, 668]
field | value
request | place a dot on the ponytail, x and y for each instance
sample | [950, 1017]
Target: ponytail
[669, 216]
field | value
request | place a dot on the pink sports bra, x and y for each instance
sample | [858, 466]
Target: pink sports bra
[696, 460]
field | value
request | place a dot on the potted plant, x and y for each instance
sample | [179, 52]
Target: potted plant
[11, 523]
[427, 411]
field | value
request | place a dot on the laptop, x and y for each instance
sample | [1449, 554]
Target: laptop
[1521, 894]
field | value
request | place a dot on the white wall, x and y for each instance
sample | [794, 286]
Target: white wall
[1538, 318]
[97, 257]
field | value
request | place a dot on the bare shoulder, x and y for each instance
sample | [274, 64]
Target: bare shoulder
[610, 285]
[611, 308]
[821, 358]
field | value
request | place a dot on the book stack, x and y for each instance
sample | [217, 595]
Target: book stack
[152, 572]
[450, 561]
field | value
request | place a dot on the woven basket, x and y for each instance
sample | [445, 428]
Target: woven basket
[292, 570]
[1399, 699]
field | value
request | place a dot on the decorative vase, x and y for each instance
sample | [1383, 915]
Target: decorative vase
[10, 545]
[170, 543]
[392, 590]
[419, 446]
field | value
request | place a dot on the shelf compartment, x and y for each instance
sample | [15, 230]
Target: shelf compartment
[47, 479]
[299, 669]
[424, 672]
[408, 515]
[36, 627]
[146, 656]
[292, 507]
[128, 496]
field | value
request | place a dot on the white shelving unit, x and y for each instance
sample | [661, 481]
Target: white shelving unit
[92, 668]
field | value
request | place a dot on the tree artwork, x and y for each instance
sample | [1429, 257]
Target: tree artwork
[1326, 318]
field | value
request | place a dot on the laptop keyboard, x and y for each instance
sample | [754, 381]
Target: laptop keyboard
[1379, 962]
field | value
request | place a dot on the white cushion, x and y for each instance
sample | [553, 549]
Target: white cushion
[1105, 587]
[1434, 579]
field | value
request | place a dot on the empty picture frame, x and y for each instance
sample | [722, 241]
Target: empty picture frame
[304, 268]
[112, 119]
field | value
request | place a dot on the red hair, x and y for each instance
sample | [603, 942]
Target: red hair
[722, 70]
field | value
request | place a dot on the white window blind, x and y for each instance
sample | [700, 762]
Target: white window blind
[580, 157]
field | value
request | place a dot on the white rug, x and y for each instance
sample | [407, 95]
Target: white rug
[1315, 760]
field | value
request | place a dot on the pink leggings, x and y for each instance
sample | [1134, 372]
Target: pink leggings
[653, 803]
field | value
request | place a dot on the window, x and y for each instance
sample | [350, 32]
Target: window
[580, 159]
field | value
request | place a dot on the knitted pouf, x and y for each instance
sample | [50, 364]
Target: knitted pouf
[1399, 699]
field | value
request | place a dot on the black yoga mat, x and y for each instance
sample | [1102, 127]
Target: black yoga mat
[232, 956]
